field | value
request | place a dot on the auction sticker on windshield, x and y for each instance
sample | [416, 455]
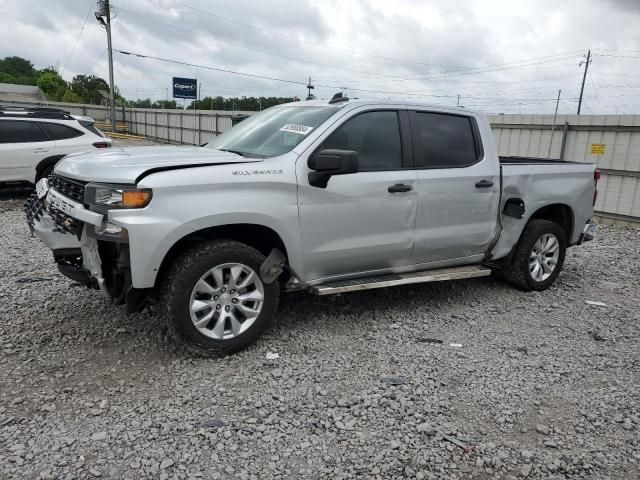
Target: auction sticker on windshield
[296, 128]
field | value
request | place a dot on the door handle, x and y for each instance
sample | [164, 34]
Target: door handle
[40, 150]
[399, 188]
[484, 184]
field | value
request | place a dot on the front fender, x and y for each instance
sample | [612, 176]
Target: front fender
[152, 234]
[189, 200]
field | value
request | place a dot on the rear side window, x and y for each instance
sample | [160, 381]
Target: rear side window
[375, 136]
[443, 141]
[55, 131]
[89, 126]
[20, 131]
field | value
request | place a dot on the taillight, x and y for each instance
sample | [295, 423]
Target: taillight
[596, 177]
[102, 144]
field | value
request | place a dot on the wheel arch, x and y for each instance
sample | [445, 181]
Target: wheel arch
[559, 213]
[46, 162]
[261, 237]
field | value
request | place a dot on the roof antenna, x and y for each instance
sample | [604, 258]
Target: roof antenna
[338, 97]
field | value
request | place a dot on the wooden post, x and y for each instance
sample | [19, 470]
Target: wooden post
[565, 132]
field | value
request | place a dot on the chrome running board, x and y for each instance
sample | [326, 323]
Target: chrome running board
[401, 279]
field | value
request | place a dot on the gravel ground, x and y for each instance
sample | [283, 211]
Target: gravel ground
[542, 386]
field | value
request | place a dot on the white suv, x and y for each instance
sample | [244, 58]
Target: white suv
[33, 140]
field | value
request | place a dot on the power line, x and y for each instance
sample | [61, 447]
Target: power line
[98, 58]
[369, 74]
[331, 47]
[295, 82]
[617, 56]
[266, 52]
[73, 49]
[205, 67]
[317, 44]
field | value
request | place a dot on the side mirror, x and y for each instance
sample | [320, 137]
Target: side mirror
[330, 162]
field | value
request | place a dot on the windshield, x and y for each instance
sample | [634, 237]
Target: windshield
[272, 132]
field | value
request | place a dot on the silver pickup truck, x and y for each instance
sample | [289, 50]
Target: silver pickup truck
[327, 197]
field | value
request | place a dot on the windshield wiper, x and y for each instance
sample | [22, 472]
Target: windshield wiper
[237, 152]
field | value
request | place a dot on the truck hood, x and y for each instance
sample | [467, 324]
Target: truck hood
[128, 165]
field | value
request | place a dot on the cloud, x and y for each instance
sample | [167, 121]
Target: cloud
[498, 57]
[630, 5]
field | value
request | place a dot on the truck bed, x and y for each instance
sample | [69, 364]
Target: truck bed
[531, 161]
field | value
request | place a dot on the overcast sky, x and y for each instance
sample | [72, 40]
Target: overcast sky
[498, 55]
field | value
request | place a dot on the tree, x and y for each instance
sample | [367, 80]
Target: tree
[71, 97]
[52, 84]
[17, 70]
[87, 86]
[243, 103]
[82, 89]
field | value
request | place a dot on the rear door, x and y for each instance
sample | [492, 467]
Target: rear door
[458, 190]
[23, 144]
[67, 139]
[360, 222]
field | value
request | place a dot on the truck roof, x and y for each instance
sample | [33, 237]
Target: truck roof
[372, 101]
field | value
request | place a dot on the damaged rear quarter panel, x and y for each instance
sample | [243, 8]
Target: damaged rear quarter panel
[541, 185]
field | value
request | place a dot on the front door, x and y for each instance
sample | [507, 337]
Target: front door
[361, 222]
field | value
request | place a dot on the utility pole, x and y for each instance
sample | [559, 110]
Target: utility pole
[584, 78]
[104, 10]
[553, 127]
[309, 88]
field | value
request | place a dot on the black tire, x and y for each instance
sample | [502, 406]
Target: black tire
[45, 172]
[517, 273]
[180, 280]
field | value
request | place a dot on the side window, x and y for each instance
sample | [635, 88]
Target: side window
[443, 141]
[55, 131]
[20, 131]
[375, 136]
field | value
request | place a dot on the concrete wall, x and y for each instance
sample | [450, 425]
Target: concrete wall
[97, 112]
[179, 126]
[573, 137]
[10, 92]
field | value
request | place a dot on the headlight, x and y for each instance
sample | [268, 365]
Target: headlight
[115, 196]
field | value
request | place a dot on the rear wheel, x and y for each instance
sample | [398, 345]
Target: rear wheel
[216, 301]
[539, 256]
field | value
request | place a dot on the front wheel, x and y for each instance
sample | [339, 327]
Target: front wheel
[539, 256]
[215, 300]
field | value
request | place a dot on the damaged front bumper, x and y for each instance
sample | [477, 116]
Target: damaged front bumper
[68, 228]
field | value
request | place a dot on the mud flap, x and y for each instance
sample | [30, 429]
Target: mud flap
[272, 266]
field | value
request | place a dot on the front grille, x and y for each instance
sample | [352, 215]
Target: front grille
[35, 208]
[73, 189]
